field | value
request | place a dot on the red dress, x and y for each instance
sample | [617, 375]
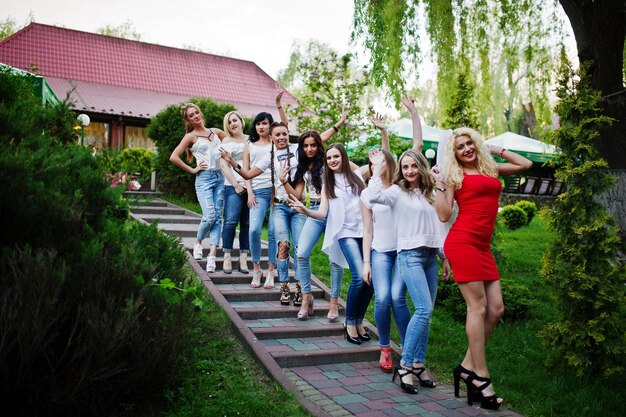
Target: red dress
[467, 244]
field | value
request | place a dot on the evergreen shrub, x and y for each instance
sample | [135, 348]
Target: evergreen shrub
[529, 208]
[513, 216]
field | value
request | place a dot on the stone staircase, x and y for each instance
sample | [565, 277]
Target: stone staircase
[311, 358]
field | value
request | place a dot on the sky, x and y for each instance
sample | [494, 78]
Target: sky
[254, 30]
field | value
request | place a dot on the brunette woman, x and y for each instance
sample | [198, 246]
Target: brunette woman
[344, 233]
[203, 143]
[470, 175]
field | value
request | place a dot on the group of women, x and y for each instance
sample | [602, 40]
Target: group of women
[383, 221]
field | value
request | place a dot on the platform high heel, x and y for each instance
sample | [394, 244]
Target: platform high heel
[354, 340]
[402, 372]
[489, 402]
[471, 394]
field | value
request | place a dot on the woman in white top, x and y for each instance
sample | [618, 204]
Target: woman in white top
[419, 238]
[203, 143]
[344, 233]
[235, 195]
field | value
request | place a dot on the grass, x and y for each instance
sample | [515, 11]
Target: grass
[516, 354]
[222, 377]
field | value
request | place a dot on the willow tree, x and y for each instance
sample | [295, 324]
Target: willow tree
[511, 40]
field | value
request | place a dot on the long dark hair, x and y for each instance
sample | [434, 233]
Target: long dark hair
[317, 162]
[273, 126]
[329, 176]
[254, 136]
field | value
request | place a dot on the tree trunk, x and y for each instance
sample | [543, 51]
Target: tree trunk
[529, 122]
[599, 31]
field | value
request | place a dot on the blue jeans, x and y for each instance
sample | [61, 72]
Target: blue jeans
[389, 294]
[210, 192]
[418, 269]
[257, 217]
[310, 234]
[287, 222]
[235, 211]
[359, 293]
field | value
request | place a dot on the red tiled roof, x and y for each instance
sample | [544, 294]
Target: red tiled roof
[114, 73]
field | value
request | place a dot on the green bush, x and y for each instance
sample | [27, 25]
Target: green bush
[95, 309]
[514, 217]
[167, 129]
[518, 301]
[130, 160]
[529, 208]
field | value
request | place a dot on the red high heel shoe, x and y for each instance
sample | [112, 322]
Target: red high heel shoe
[387, 364]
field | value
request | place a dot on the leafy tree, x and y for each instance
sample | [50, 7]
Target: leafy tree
[124, 30]
[8, 27]
[588, 285]
[167, 129]
[526, 30]
[461, 111]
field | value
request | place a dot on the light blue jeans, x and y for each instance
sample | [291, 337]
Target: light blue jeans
[389, 294]
[287, 222]
[235, 211]
[359, 293]
[310, 234]
[210, 192]
[257, 217]
[418, 269]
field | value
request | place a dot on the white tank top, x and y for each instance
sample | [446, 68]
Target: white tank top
[236, 150]
[257, 153]
[207, 150]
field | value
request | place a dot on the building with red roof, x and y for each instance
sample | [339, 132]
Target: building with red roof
[120, 84]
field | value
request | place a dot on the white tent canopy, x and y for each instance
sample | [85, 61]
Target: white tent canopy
[404, 129]
[515, 142]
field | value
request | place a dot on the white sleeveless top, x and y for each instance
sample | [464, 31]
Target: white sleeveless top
[309, 188]
[257, 153]
[207, 150]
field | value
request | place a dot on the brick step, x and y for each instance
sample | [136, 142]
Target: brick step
[184, 219]
[243, 292]
[291, 327]
[153, 202]
[179, 230]
[157, 210]
[188, 243]
[272, 309]
[219, 263]
[322, 350]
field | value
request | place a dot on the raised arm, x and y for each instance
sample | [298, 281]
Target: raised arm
[515, 162]
[376, 194]
[279, 106]
[377, 120]
[418, 141]
[328, 133]
[368, 227]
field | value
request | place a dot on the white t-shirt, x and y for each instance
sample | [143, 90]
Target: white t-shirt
[416, 220]
[280, 157]
[258, 152]
[236, 150]
[310, 188]
[384, 230]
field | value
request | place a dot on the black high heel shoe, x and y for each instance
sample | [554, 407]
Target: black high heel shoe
[427, 383]
[471, 394]
[490, 402]
[402, 372]
[365, 337]
[354, 340]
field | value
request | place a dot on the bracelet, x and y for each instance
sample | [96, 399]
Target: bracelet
[279, 107]
[284, 182]
[502, 152]
[336, 128]
[237, 168]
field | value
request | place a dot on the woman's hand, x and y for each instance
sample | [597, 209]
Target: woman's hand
[495, 150]
[447, 270]
[279, 96]
[283, 177]
[377, 120]
[200, 167]
[252, 203]
[366, 274]
[225, 155]
[409, 103]
[343, 117]
[376, 156]
[296, 204]
[240, 190]
[434, 171]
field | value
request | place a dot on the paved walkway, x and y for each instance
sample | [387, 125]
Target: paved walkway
[330, 376]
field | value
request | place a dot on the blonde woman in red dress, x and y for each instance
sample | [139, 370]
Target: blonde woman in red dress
[470, 176]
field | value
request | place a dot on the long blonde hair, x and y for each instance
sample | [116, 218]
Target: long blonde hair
[427, 182]
[452, 169]
[188, 127]
[226, 122]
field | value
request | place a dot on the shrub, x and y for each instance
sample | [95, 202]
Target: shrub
[529, 208]
[166, 129]
[518, 301]
[514, 217]
[587, 283]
